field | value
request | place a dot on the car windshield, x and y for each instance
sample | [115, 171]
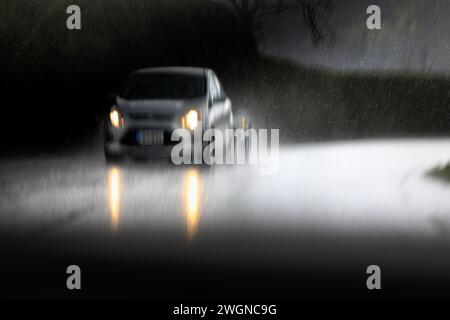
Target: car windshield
[164, 86]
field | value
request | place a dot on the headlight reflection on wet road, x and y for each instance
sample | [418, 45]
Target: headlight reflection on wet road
[191, 184]
[191, 201]
[114, 196]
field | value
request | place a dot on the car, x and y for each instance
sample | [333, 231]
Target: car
[153, 102]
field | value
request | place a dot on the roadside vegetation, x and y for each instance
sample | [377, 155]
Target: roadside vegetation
[45, 62]
[442, 172]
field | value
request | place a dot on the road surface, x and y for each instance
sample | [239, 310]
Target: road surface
[355, 201]
[372, 186]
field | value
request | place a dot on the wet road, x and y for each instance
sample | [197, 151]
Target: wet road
[357, 187]
[328, 205]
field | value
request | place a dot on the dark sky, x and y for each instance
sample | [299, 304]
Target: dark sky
[415, 37]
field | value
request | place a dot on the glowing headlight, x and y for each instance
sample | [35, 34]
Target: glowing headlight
[116, 119]
[191, 119]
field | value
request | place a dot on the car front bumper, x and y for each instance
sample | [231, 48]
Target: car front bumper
[121, 150]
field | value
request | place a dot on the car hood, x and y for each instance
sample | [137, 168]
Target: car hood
[159, 106]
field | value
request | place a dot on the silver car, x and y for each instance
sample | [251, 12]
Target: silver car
[153, 102]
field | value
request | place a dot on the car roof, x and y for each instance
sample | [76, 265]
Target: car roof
[195, 71]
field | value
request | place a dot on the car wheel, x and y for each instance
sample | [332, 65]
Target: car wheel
[111, 158]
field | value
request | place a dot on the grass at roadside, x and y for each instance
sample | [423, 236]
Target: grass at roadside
[442, 172]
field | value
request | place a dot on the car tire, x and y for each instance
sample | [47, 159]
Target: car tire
[111, 158]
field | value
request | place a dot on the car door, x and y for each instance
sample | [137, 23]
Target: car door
[214, 104]
[225, 106]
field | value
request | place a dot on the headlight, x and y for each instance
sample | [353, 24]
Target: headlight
[116, 118]
[190, 120]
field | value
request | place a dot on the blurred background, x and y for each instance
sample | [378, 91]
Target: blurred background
[308, 67]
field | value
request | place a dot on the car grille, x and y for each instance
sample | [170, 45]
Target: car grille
[140, 116]
[130, 138]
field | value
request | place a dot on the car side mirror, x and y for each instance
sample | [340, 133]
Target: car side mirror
[222, 98]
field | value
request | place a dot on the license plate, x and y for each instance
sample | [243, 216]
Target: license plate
[149, 137]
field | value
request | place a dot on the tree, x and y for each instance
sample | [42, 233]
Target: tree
[251, 16]
[315, 15]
